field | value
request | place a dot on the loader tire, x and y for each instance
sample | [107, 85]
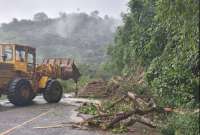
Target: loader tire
[53, 92]
[20, 92]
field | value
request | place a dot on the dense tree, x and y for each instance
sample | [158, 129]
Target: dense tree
[41, 16]
[162, 36]
[133, 43]
[177, 78]
[78, 35]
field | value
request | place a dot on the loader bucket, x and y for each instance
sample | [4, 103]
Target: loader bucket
[63, 68]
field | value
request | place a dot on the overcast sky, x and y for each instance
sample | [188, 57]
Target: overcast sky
[25, 9]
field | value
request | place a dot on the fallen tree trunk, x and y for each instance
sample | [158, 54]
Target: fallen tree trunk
[116, 102]
[127, 115]
[140, 112]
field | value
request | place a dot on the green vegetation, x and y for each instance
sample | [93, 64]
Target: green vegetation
[70, 85]
[162, 37]
[88, 109]
[186, 124]
[159, 37]
[3, 97]
[120, 129]
[92, 109]
[81, 36]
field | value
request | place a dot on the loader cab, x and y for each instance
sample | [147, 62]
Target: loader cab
[6, 53]
[22, 57]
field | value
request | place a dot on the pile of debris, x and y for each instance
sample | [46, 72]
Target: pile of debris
[94, 89]
[140, 109]
[123, 106]
[98, 89]
[112, 87]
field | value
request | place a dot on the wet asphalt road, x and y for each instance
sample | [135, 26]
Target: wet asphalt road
[24, 120]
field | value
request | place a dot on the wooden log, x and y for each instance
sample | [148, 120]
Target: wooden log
[133, 97]
[120, 118]
[130, 122]
[116, 102]
[145, 121]
[130, 113]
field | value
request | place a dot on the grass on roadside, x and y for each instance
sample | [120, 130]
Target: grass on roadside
[70, 85]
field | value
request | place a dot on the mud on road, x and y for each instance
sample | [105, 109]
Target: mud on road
[25, 120]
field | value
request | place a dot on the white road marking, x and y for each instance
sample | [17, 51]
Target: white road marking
[24, 123]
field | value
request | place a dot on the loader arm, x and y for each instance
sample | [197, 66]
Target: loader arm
[56, 68]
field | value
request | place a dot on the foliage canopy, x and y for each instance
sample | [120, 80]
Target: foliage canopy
[162, 36]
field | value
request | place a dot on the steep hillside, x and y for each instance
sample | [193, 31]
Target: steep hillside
[78, 35]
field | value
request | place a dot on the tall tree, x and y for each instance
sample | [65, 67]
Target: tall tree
[163, 37]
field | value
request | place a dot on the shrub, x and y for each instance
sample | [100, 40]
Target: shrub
[186, 124]
[70, 85]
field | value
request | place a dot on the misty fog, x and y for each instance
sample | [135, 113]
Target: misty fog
[84, 37]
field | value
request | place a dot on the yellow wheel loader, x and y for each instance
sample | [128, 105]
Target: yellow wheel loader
[21, 79]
